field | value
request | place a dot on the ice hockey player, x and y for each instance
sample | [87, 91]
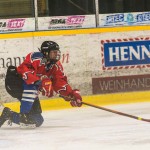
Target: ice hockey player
[40, 72]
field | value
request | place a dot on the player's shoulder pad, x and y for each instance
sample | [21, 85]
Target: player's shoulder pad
[36, 56]
[58, 63]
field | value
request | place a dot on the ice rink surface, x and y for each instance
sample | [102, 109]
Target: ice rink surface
[83, 129]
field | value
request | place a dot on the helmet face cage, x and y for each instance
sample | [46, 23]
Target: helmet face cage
[55, 55]
[48, 46]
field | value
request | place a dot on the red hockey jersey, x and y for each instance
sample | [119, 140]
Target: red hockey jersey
[34, 66]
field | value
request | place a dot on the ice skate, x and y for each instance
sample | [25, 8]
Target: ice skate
[5, 115]
[25, 122]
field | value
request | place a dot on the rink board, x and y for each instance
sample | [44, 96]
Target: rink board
[83, 52]
[105, 99]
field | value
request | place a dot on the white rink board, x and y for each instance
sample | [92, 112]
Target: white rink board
[66, 22]
[84, 61]
[17, 25]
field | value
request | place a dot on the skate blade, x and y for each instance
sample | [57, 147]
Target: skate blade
[27, 126]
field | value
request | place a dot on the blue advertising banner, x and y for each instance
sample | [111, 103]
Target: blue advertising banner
[119, 19]
[126, 53]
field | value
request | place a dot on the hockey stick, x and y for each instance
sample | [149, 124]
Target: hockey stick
[117, 112]
[113, 111]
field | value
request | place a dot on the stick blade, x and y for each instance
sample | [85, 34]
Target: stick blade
[27, 126]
